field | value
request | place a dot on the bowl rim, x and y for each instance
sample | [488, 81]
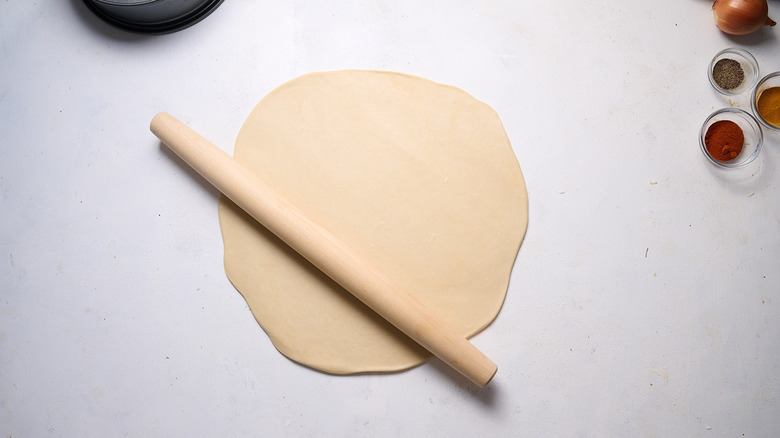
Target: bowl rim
[748, 57]
[106, 10]
[751, 120]
[754, 103]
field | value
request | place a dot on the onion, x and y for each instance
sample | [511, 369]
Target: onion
[741, 17]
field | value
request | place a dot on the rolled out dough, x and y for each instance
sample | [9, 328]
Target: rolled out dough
[418, 177]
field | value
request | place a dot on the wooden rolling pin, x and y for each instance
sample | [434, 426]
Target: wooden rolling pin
[324, 250]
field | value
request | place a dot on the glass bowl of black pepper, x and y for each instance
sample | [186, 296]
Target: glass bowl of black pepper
[733, 71]
[717, 135]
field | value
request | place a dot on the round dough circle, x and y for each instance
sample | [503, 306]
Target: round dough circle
[418, 177]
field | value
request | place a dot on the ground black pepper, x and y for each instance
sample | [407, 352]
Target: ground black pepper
[728, 74]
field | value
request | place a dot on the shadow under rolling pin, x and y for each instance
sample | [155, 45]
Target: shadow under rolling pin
[324, 250]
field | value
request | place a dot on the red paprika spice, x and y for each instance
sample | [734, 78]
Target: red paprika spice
[724, 140]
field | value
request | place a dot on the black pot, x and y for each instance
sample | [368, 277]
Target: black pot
[152, 16]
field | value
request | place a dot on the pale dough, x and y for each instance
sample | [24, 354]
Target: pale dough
[418, 177]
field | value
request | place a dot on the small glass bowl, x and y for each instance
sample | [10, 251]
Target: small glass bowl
[769, 81]
[754, 138]
[746, 61]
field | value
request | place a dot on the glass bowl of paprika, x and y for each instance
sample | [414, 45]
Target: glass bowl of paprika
[766, 101]
[731, 138]
[733, 71]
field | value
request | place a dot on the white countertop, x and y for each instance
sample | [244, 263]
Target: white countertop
[645, 300]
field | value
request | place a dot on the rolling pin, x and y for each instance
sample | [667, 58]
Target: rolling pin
[324, 250]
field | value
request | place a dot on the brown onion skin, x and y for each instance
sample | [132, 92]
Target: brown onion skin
[741, 17]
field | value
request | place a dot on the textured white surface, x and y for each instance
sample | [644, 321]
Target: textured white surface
[644, 300]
